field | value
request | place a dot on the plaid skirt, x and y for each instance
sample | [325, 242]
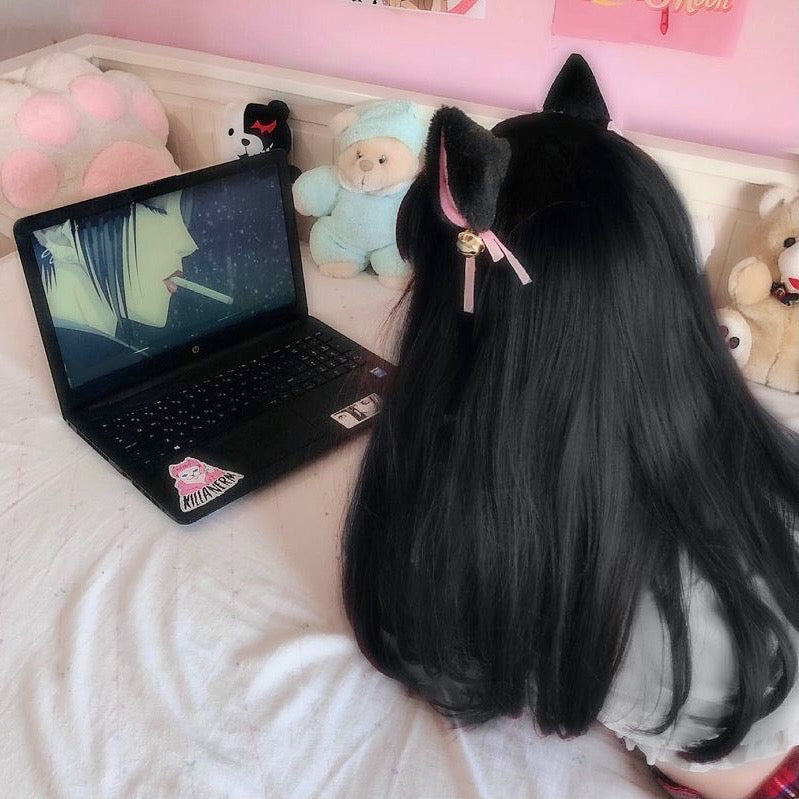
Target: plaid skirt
[782, 784]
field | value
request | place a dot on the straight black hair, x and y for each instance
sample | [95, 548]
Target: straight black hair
[540, 463]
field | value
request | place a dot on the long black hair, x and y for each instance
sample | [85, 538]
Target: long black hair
[540, 463]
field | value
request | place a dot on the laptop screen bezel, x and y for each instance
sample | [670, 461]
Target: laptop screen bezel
[73, 398]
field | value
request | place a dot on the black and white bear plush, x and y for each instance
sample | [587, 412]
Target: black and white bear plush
[252, 128]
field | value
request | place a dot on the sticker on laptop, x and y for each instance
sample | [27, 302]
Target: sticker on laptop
[199, 483]
[378, 372]
[358, 412]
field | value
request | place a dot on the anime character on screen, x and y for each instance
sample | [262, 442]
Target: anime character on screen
[102, 273]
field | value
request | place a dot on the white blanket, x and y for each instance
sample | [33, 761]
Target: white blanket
[139, 658]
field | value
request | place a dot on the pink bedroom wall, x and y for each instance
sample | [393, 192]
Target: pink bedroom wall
[749, 101]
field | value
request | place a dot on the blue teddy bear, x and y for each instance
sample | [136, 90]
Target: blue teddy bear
[357, 200]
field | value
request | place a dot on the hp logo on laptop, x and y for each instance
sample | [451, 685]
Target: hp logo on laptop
[195, 349]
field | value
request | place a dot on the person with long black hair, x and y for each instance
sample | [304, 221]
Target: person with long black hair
[571, 505]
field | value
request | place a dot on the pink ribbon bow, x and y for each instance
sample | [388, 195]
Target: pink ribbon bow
[496, 249]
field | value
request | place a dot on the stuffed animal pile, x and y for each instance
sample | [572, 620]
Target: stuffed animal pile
[69, 131]
[761, 326]
[357, 200]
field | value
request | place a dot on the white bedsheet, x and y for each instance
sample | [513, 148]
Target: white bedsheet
[139, 658]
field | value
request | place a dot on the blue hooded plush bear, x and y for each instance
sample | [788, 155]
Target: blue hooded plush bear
[357, 200]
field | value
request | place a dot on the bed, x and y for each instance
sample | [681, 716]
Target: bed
[139, 658]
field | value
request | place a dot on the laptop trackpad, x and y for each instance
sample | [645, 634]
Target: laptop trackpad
[265, 439]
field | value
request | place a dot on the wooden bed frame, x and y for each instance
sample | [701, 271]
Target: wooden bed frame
[724, 185]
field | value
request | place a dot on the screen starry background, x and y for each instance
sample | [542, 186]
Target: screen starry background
[239, 228]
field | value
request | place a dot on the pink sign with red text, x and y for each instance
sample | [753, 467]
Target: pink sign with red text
[702, 26]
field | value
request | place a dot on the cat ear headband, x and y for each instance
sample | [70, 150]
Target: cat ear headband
[471, 164]
[471, 242]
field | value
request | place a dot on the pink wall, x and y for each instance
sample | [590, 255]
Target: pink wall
[748, 102]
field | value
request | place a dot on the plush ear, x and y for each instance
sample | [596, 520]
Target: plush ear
[342, 121]
[773, 197]
[575, 92]
[278, 110]
[473, 167]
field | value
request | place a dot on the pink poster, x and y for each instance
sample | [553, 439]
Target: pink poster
[702, 26]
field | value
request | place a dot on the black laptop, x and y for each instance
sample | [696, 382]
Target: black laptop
[175, 323]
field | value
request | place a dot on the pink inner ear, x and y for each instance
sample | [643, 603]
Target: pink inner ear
[98, 97]
[444, 193]
[48, 119]
[124, 164]
[29, 179]
[151, 114]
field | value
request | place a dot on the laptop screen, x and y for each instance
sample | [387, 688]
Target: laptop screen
[141, 279]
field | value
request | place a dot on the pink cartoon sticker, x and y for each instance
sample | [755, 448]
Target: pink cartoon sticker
[198, 483]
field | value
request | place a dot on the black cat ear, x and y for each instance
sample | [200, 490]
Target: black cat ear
[466, 165]
[575, 92]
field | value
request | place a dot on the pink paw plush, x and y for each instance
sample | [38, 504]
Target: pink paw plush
[69, 131]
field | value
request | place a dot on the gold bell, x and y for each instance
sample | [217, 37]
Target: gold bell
[470, 243]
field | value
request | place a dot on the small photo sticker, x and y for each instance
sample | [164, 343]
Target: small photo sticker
[358, 412]
[378, 372]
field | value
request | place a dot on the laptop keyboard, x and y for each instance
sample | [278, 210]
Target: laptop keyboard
[177, 419]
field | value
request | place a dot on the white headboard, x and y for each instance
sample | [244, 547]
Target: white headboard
[724, 185]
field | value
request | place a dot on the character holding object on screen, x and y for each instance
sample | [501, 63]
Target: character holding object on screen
[100, 273]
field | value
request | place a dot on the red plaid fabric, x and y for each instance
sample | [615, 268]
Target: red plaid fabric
[782, 784]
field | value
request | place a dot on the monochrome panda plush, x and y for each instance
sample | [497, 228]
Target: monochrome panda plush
[253, 128]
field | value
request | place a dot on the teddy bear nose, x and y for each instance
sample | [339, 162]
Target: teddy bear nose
[366, 165]
[245, 142]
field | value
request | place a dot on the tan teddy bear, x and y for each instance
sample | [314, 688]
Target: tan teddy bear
[761, 325]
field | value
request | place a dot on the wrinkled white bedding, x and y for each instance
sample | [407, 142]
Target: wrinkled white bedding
[139, 658]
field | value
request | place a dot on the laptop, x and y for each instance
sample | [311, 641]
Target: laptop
[176, 328]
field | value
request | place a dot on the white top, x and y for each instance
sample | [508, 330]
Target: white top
[640, 695]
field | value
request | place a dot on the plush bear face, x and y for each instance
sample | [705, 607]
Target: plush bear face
[776, 240]
[377, 166]
[253, 128]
